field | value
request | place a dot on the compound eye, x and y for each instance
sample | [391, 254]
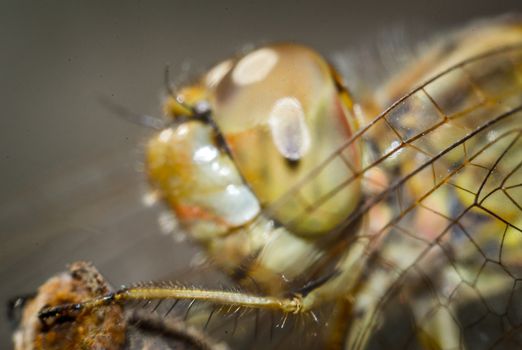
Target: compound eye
[282, 113]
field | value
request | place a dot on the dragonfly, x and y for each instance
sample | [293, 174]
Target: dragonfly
[389, 218]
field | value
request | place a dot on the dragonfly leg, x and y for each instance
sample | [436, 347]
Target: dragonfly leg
[292, 304]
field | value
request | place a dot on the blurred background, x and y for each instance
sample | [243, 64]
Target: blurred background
[71, 178]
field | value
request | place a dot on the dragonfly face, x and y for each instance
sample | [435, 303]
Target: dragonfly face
[272, 116]
[408, 223]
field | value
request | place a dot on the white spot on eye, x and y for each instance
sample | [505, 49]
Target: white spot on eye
[254, 67]
[222, 171]
[165, 135]
[233, 190]
[205, 154]
[217, 73]
[289, 129]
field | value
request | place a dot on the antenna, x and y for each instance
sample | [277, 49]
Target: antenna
[135, 118]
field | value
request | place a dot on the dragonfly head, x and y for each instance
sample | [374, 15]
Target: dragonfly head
[282, 110]
[263, 134]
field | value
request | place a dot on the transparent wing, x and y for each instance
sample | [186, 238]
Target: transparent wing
[443, 176]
